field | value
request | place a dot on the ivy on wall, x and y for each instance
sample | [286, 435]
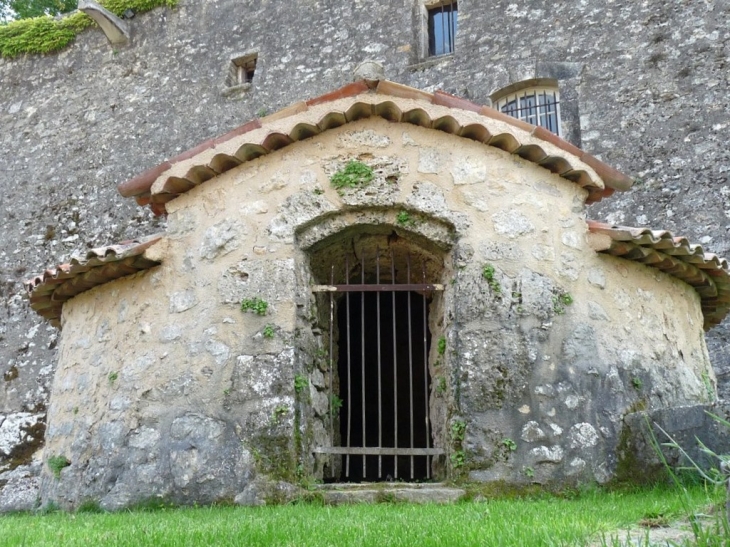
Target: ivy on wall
[40, 35]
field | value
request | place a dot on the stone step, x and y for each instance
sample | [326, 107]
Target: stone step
[338, 494]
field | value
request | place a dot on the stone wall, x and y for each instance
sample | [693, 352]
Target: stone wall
[166, 389]
[646, 81]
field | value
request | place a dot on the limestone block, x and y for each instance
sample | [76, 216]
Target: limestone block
[583, 435]
[222, 238]
[297, 210]
[431, 160]
[270, 280]
[531, 432]
[469, 171]
[547, 454]
[21, 488]
[364, 138]
[183, 300]
[15, 430]
[512, 224]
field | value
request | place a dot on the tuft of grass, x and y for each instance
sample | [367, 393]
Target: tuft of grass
[56, 464]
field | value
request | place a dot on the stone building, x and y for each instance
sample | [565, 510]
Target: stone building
[642, 85]
[378, 282]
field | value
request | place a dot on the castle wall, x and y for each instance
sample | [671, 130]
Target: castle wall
[166, 388]
[644, 83]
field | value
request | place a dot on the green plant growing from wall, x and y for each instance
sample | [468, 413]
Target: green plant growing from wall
[488, 273]
[255, 305]
[458, 430]
[44, 34]
[279, 412]
[268, 331]
[113, 376]
[709, 389]
[637, 383]
[335, 405]
[441, 384]
[353, 175]
[441, 346]
[300, 383]
[561, 301]
[529, 472]
[404, 218]
[56, 464]
[509, 444]
[458, 459]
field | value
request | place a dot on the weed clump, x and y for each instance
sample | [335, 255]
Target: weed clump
[354, 174]
[255, 305]
[56, 464]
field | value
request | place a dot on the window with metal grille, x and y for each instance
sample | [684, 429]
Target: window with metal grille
[442, 24]
[538, 106]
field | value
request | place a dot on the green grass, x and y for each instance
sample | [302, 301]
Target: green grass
[543, 520]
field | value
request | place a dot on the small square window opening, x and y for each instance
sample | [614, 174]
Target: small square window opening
[442, 24]
[241, 70]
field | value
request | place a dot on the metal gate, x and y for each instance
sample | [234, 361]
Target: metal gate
[374, 354]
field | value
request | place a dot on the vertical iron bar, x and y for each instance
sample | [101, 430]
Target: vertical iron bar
[330, 367]
[380, 386]
[410, 354]
[425, 377]
[443, 31]
[362, 359]
[395, 367]
[349, 368]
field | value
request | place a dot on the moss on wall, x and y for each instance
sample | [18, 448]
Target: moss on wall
[40, 35]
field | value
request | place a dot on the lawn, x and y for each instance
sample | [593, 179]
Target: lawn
[535, 521]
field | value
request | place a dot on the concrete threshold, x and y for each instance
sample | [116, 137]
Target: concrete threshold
[389, 492]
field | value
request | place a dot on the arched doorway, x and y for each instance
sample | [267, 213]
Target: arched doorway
[380, 284]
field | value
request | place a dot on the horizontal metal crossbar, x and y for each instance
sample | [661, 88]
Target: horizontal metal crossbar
[379, 287]
[373, 451]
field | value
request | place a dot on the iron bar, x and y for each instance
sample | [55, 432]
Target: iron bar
[410, 353]
[395, 367]
[349, 369]
[377, 287]
[425, 377]
[330, 366]
[380, 385]
[362, 359]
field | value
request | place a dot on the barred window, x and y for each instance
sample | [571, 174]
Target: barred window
[442, 23]
[535, 105]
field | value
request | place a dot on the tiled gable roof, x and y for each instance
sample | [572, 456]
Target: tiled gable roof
[49, 290]
[706, 272]
[364, 99]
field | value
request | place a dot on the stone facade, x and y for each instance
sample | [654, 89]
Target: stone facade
[165, 388]
[644, 84]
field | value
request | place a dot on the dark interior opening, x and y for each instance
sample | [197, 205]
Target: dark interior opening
[399, 402]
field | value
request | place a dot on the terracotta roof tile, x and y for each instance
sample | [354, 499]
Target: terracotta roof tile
[349, 90]
[48, 291]
[707, 273]
[388, 100]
